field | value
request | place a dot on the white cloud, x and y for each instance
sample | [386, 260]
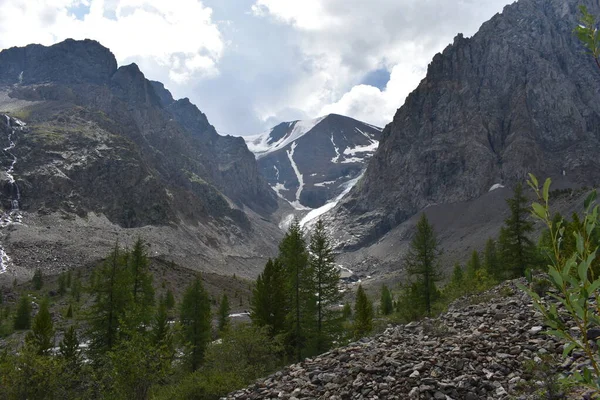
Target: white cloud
[375, 106]
[305, 14]
[343, 40]
[176, 35]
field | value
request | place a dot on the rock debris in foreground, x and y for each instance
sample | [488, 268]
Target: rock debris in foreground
[474, 351]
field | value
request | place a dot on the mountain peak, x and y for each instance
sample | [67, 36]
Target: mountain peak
[519, 96]
[312, 162]
[70, 61]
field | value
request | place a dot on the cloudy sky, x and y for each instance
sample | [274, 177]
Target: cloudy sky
[250, 64]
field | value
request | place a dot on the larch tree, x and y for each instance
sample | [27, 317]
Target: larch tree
[141, 282]
[111, 290]
[269, 304]
[490, 259]
[41, 336]
[223, 316]
[363, 314]
[22, 319]
[518, 252]
[196, 321]
[326, 283]
[422, 261]
[294, 257]
[386, 302]
[474, 265]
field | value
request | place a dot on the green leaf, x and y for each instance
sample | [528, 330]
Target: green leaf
[579, 242]
[528, 276]
[594, 286]
[589, 200]
[546, 189]
[533, 182]
[557, 333]
[539, 210]
[569, 348]
[582, 270]
[556, 278]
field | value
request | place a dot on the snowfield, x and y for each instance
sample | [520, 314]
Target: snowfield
[260, 146]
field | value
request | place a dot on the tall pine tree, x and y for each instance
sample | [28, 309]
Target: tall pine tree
[517, 249]
[326, 282]
[387, 304]
[111, 290]
[294, 257]
[474, 265]
[270, 302]
[41, 336]
[490, 259]
[23, 316]
[422, 261]
[224, 311]
[363, 314]
[142, 290]
[196, 321]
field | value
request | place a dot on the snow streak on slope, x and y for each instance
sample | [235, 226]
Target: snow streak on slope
[296, 203]
[12, 216]
[260, 146]
[317, 212]
[337, 151]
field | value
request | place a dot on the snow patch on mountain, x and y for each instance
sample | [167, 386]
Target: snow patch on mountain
[310, 218]
[352, 160]
[278, 188]
[337, 151]
[260, 146]
[323, 184]
[369, 148]
[296, 204]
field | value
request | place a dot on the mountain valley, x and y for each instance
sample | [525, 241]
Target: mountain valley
[321, 232]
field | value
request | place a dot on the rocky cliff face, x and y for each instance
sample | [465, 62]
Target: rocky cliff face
[309, 163]
[519, 96]
[105, 140]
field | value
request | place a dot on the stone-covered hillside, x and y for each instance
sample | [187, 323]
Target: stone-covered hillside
[479, 349]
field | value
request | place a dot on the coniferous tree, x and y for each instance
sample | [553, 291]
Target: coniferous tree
[490, 259]
[269, 303]
[161, 330]
[387, 304]
[62, 284]
[474, 265]
[294, 257]
[169, 299]
[363, 314]
[422, 261]
[457, 275]
[23, 316]
[347, 310]
[76, 288]
[142, 290]
[69, 348]
[517, 249]
[326, 281]
[38, 280]
[224, 310]
[69, 313]
[41, 337]
[69, 279]
[196, 321]
[112, 298]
